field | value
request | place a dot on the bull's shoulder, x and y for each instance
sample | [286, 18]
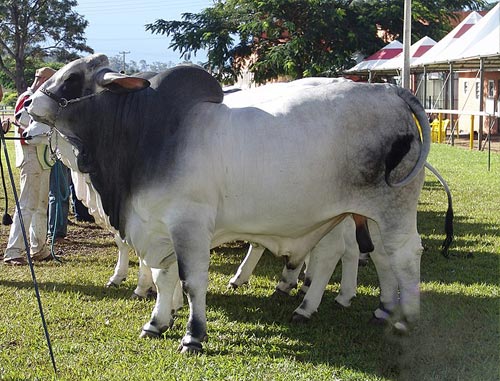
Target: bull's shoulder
[187, 85]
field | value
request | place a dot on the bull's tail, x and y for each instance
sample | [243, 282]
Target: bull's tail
[402, 145]
[448, 223]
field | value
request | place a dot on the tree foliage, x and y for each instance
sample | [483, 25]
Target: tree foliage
[33, 30]
[298, 38]
[133, 67]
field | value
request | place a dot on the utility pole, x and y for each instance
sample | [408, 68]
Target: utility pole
[123, 64]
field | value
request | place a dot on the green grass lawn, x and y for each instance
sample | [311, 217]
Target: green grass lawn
[95, 330]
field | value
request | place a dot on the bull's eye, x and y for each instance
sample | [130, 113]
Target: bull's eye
[73, 77]
[72, 87]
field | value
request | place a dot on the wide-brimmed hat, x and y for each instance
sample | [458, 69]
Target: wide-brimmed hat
[44, 72]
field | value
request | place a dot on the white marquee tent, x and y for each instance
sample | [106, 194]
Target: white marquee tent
[417, 50]
[388, 52]
[480, 42]
[470, 40]
[454, 37]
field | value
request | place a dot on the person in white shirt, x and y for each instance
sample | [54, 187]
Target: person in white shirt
[34, 168]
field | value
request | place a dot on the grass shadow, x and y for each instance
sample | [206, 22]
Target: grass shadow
[462, 331]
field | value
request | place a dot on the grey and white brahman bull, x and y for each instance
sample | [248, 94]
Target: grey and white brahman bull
[341, 239]
[179, 172]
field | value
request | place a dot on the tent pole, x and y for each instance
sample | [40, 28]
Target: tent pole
[451, 104]
[405, 80]
[425, 87]
[481, 102]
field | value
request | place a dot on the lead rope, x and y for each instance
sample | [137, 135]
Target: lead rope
[28, 254]
[6, 218]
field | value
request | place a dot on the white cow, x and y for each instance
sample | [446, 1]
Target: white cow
[179, 172]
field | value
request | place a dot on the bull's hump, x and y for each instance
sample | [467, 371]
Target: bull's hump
[187, 85]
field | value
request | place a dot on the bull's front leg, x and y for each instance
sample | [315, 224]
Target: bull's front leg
[121, 268]
[145, 286]
[191, 240]
[161, 318]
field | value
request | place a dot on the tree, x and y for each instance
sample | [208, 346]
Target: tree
[430, 18]
[132, 67]
[298, 38]
[32, 30]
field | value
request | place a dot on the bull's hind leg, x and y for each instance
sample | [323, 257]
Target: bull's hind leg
[389, 294]
[350, 265]
[404, 251]
[247, 267]
[289, 278]
[323, 259]
[161, 318]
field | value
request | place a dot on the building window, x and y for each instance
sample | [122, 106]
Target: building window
[466, 86]
[491, 88]
[478, 88]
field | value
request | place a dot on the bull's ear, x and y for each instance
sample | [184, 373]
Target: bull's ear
[120, 83]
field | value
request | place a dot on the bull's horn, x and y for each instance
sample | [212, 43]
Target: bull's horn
[96, 61]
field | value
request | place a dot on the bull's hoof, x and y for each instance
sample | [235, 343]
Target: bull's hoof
[149, 335]
[135, 296]
[151, 331]
[232, 286]
[191, 348]
[300, 319]
[112, 284]
[377, 321]
[341, 305]
[401, 328]
[279, 293]
[380, 316]
[151, 294]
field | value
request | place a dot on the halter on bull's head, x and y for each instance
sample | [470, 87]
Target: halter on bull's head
[79, 80]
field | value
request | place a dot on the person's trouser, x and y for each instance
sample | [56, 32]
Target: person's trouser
[33, 200]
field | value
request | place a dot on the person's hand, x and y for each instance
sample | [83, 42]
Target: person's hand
[6, 125]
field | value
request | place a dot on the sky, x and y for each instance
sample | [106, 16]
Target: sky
[119, 26]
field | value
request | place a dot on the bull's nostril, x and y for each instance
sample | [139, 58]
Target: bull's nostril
[25, 134]
[27, 102]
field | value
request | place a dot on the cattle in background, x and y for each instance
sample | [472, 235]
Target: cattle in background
[179, 172]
